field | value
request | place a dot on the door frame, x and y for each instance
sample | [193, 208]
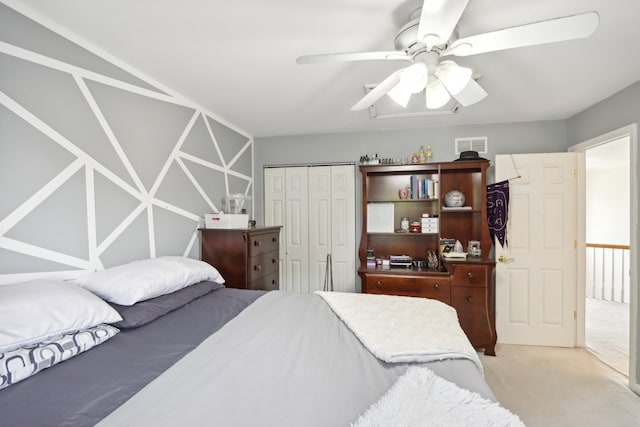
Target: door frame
[634, 339]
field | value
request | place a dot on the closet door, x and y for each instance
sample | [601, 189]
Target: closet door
[316, 207]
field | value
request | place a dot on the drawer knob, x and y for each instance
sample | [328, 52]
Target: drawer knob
[469, 275]
[274, 239]
[378, 284]
[436, 285]
[257, 267]
[256, 243]
[273, 260]
[469, 299]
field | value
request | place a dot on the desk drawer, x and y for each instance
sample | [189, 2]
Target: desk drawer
[474, 314]
[470, 275]
[412, 286]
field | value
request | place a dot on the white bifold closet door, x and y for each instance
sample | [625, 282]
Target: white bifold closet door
[315, 205]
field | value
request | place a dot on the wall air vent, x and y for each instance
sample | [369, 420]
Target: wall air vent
[386, 108]
[473, 143]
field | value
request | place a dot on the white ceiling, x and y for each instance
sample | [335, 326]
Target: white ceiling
[238, 58]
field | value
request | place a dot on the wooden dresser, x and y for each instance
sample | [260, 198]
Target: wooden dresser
[464, 283]
[246, 258]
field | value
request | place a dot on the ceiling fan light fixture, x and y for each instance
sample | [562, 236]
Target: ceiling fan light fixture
[454, 77]
[436, 94]
[401, 94]
[413, 79]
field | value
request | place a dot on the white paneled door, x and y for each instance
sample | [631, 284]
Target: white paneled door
[318, 219]
[536, 272]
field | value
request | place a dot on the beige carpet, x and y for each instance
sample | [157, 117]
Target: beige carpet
[607, 332]
[550, 386]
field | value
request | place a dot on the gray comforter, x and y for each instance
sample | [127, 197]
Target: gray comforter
[84, 389]
[286, 360]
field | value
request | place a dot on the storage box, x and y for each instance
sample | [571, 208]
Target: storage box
[223, 220]
[429, 225]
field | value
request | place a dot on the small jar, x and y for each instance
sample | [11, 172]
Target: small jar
[404, 224]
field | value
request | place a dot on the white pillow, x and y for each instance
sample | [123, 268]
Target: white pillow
[149, 278]
[31, 312]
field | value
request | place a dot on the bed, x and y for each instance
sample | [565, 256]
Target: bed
[224, 356]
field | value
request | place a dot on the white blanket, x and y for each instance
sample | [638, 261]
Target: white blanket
[403, 329]
[421, 398]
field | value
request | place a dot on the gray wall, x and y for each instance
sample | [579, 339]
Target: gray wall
[515, 138]
[99, 166]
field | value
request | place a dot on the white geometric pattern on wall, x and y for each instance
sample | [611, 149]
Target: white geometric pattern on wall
[128, 174]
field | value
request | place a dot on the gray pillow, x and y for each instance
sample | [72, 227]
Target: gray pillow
[149, 310]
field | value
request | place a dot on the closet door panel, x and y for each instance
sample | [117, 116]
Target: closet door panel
[297, 230]
[275, 210]
[343, 227]
[320, 224]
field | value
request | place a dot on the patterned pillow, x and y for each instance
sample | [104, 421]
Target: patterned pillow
[21, 363]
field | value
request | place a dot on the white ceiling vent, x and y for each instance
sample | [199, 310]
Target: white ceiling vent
[474, 143]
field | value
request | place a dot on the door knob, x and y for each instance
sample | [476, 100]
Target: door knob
[504, 259]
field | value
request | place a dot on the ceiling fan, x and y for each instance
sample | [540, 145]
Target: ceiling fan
[431, 34]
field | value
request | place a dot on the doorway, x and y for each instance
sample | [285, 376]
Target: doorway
[607, 287]
[632, 264]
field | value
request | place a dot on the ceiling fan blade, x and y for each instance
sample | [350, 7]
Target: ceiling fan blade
[554, 30]
[355, 56]
[378, 92]
[471, 94]
[438, 19]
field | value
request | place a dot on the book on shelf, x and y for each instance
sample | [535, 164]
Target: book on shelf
[400, 261]
[424, 188]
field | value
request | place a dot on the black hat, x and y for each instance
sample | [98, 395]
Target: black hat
[469, 155]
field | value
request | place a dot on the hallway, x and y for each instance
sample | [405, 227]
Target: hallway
[607, 332]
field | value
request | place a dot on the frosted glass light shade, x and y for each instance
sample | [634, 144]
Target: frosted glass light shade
[401, 94]
[437, 95]
[453, 77]
[415, 77]
[412, 80]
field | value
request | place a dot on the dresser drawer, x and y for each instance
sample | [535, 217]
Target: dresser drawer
[475, 314]
[268, 283]
[413, 286]
[470, 275]
[262, 265]
[262, 243]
